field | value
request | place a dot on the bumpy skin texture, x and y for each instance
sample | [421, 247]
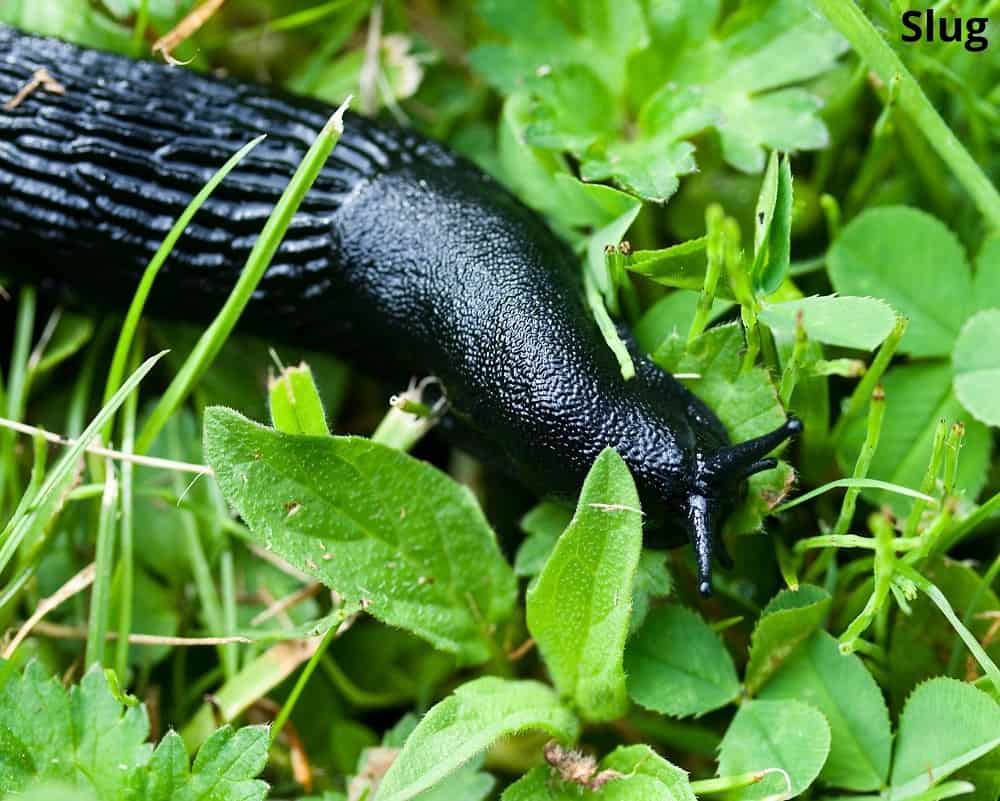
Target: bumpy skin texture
[404, 258]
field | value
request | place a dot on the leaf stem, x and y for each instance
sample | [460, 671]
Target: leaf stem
[876, 413]
[930, 479]
[301, 681]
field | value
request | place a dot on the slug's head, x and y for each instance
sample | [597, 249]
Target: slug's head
[716, 485]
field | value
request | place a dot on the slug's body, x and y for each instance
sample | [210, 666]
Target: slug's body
[404, 258]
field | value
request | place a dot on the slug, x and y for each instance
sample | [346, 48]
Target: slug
[404, 258]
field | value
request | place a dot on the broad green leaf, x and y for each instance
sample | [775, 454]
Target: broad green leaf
[578, 610]
[543, 525]
[840, 687]
[786, 623]
[763, 50]
[913, 262]
[677, 665]
[224, 769]
[788, 734]
[644, 776]
[296, 407]
[543, 178]
[649, 167]
[945, 725]
[548, 35]
[745, 401]
[86, 738]
[168, 769]
[574, 109]
[465, 724]
[684, 77]
[372, 523]
[773, 232]
[53, 791]
[846, 322]
[225, 765]
[37, 736]
[917, 396]
[468, 783]
[976, 360]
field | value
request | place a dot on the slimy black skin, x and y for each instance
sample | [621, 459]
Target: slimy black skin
[405, 259]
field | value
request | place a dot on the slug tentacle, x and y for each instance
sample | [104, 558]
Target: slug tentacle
[747, 458]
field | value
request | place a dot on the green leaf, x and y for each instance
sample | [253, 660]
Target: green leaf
[773, 232]
[549, 35]
[86, 738]
[372, 523]
[788, 735]
[786, 623]
[846, 322]
[296, 407]
[976, 360]
[945, 725]
[168, 769]
[916, 397]
[223, 770]
[644, 776]
[578, 610]
[912, 261]
[649, 167]
[543, 525]
[840, 687]
[677, 665]
[683, 79]
[574, 109]
[986, 283]
[226, 764]
[465, 724]
[682, 266]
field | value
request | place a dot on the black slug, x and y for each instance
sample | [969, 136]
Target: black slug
[404, 258]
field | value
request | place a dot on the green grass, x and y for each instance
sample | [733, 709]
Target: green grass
[852, 649]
